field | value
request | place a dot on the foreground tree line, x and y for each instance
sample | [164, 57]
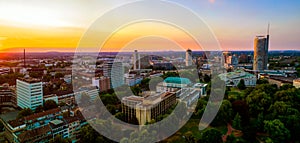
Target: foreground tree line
[264, 113]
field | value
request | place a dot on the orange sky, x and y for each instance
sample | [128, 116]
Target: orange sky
[56, 25]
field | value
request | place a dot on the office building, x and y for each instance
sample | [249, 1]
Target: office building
[115, 71]
[136, 60]
[29, 93]
[148, 107]
[261, 47]
[188, 58]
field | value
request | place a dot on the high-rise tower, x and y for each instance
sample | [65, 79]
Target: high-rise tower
[188, 58]
[136, 60]
[115, 71]
[261, 48]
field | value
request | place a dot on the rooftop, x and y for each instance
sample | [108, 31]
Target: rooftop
[56, 122]
[236, 74]
[177, 80]
[9, 116]
[297, 80]
[30, 80]
[149, 100]
[282, 79]
[41, 114]
[27, 135]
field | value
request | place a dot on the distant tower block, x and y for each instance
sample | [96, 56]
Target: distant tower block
[188, 58]
[136, 60]
[261, 48]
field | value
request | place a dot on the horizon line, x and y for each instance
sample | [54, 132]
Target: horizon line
[139, 51]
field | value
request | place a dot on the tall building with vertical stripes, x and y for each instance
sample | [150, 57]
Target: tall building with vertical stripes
[29, 93]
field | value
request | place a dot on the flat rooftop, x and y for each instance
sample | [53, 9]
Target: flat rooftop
[30, 80]
[56, 122]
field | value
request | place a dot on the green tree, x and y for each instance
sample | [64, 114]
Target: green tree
[258, 102]
[206, 78]
[24, 112]
[298, 71]
[211, 135]
[111, 99]
[111, 109]
[1, 127]
[231, 139]
[260, 122]
[189, 137]
[136, 90]
[236, 123]
[262, 81]
[61, 104]
[59, 75]
[39, 109]
[50, 104]
[120, 116]
[59, 139]
[277, 131]
[142, 136]
[278, 108]
[225, 113]
[242, 108]
[286, 87]
[241, 84]
[89, 135]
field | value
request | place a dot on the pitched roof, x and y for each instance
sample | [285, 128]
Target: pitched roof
[31, 134]
[41, 114]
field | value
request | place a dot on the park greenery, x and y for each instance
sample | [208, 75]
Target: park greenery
[265, 113]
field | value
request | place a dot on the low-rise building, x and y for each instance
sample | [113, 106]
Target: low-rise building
[132, 79]
[42, 126]
[59, 127]
[234, 78]
[102, 83]
[296, 83]
[51, 97]
[279, 80]
[172, 84]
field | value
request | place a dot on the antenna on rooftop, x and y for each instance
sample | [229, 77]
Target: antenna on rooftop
[269, 28]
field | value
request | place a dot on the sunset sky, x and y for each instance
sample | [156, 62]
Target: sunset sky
[55, 25]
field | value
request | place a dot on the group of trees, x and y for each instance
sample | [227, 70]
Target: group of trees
[49, 104]
[265, 109]
[10, 78]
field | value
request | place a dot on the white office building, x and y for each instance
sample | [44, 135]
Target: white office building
[29, 93]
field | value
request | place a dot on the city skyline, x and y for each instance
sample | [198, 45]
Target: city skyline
[57, 26]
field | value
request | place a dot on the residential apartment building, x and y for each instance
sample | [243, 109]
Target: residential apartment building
[43, 126]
